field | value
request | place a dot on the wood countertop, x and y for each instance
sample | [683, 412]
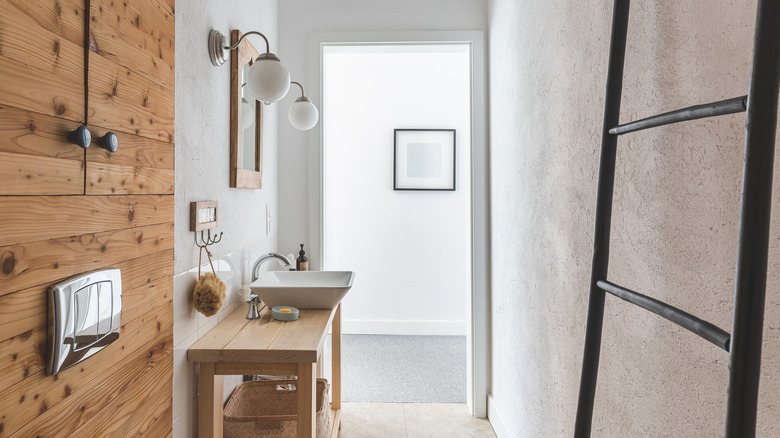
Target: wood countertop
[237, 339]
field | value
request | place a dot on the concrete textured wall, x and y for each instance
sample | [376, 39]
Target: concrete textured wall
[674, 229]
[202, 174]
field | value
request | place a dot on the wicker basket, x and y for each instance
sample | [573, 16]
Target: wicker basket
[267, 408]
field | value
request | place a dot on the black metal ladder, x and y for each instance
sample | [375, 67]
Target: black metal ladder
[744, 343]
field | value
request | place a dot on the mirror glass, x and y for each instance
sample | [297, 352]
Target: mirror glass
[248, 124]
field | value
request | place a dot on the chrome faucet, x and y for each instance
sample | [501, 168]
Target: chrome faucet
[266, 257]
[253, 312]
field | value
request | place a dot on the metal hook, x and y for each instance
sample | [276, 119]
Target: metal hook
[208, 240]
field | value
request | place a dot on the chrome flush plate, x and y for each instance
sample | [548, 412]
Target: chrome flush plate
[85, 314]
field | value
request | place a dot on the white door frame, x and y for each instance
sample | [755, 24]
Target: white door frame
[478, 339]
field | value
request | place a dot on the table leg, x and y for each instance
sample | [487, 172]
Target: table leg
[335, 339]
[307, 405]
[209, 402]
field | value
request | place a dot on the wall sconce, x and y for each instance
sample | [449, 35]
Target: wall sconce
[267, 80]
[303, 113]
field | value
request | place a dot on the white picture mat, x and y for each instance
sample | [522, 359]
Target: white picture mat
[419, 147]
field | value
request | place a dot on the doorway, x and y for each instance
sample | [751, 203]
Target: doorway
[412, 249]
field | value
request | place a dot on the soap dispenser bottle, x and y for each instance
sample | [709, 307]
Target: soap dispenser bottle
[302, 263]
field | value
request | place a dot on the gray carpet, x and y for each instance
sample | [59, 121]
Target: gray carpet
[402, 369]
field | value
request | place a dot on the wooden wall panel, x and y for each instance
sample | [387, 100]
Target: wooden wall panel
[88, 387]
[134, 411]
[41, 90]
[29, 133]
[41, 71]
[34, 218]
[23, 355]
[170, 5]
[30, 264]
[62, 17]
[122, 180]
[147, 283]
[133, 151]
[38, 91]
[139, 166]
[23, 312]
[29, 175]
[143, 43]
[137, 301]
[24, 40]
[162, 426]
[137, 334]
[122, 100]
[125, 220]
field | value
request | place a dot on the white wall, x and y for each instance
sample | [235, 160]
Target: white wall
[674, 226]
[202, 172]
[299, 178]
[410, 249]
[299, 153]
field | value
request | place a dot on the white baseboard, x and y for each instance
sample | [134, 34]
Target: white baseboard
[404, 327]
[496, 418]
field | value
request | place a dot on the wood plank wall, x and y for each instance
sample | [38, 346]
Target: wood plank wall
[65, 210]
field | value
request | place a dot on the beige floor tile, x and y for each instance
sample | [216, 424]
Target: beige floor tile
[372, 420]
[451, 420]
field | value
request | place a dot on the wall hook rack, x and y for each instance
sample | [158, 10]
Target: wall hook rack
[208, 239]
[203, 217]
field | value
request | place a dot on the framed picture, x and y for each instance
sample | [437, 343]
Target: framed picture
[424, 159]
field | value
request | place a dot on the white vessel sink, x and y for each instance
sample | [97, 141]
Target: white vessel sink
[303, 289]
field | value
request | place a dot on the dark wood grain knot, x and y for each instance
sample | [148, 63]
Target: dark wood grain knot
[9, 263]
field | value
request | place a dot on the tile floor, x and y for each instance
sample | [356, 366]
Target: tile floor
[411, 420]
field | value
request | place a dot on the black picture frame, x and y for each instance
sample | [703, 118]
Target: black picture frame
[424, 159]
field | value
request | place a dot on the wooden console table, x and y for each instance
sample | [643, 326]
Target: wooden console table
[238, 346]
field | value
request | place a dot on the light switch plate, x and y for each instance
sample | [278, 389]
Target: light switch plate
[203, 215]
[267, 220]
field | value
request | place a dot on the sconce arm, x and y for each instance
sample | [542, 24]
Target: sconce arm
[254, 32]
[303, 94]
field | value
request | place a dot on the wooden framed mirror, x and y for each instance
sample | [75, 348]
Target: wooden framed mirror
[246, 129]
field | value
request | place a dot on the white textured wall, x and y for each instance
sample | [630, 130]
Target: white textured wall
[202, 174]
[298, 19]
[674, 225]
[373, 229]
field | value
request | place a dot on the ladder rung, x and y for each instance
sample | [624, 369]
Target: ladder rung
[702, 328]
[729, 106]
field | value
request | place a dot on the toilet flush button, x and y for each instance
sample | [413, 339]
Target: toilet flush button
[85, 316]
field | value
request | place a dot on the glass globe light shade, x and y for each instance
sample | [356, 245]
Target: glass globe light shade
[247, 114]
[303, 114]
[268, 79]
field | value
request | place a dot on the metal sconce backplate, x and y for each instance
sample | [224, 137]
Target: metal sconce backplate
[217, 51]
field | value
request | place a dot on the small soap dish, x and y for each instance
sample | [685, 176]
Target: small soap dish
[285, 313]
